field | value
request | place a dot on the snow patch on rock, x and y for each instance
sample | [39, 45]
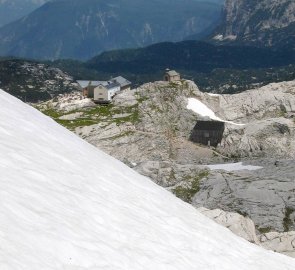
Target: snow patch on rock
[200, 108]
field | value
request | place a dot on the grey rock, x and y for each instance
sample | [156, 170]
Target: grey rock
[244, 227]
[267, 195]
[280, 242]
[239, 225]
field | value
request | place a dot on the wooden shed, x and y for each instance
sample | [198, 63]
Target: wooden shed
[208, 133]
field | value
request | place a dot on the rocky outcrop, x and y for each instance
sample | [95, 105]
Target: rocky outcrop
[280, 242]
[244, 227]
[265, 195]
[268, 114]
[239, 225]
[156, 131]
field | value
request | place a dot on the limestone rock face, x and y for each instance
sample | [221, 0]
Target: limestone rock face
[160, 131]
[279, 242]
[239, 225]
[268, 115]
[257, 22]
[265, 195]
[244, 227]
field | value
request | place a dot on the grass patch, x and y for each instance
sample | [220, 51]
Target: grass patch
[264, 230]
[94, 115]
[187, 193]
[72, 124]
[287, 222]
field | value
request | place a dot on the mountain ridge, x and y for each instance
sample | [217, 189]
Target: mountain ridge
[80, 30]
[11, 10]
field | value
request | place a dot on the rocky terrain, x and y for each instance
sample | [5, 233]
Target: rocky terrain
[244, 227]
[265, 195]
[256, 22]
[149, 128]
[33, 81]
[268, 114]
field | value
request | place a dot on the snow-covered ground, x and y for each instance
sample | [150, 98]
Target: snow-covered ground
[200, 108]
[66, 205]
[230, 167]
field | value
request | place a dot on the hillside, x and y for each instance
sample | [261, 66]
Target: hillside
[81, 29]
[33, 81]
[55, 204]
[11, 10]
[189, 55]
[258, 23]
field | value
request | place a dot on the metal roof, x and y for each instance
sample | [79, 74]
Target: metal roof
[112, 85]
[84, 84]
[109, 85]
[122, 81]
[118, 81]
[172, 73]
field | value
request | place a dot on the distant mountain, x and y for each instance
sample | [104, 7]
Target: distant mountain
[11, 10]
[81, 29]
[258, 22]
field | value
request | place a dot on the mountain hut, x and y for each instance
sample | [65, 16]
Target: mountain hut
[208, 133]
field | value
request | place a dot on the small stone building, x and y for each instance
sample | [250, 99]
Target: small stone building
[171, 76]
[208, 133]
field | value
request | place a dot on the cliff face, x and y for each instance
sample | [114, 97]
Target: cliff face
[253, 22]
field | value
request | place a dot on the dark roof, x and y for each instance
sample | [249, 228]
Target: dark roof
[209, 125]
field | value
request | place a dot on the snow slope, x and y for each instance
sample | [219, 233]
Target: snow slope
[200, 108]
[66, 205]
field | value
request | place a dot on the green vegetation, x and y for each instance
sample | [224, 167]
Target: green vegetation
[90, 116]
[287, 222]
[186, 193]
[264, 230]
